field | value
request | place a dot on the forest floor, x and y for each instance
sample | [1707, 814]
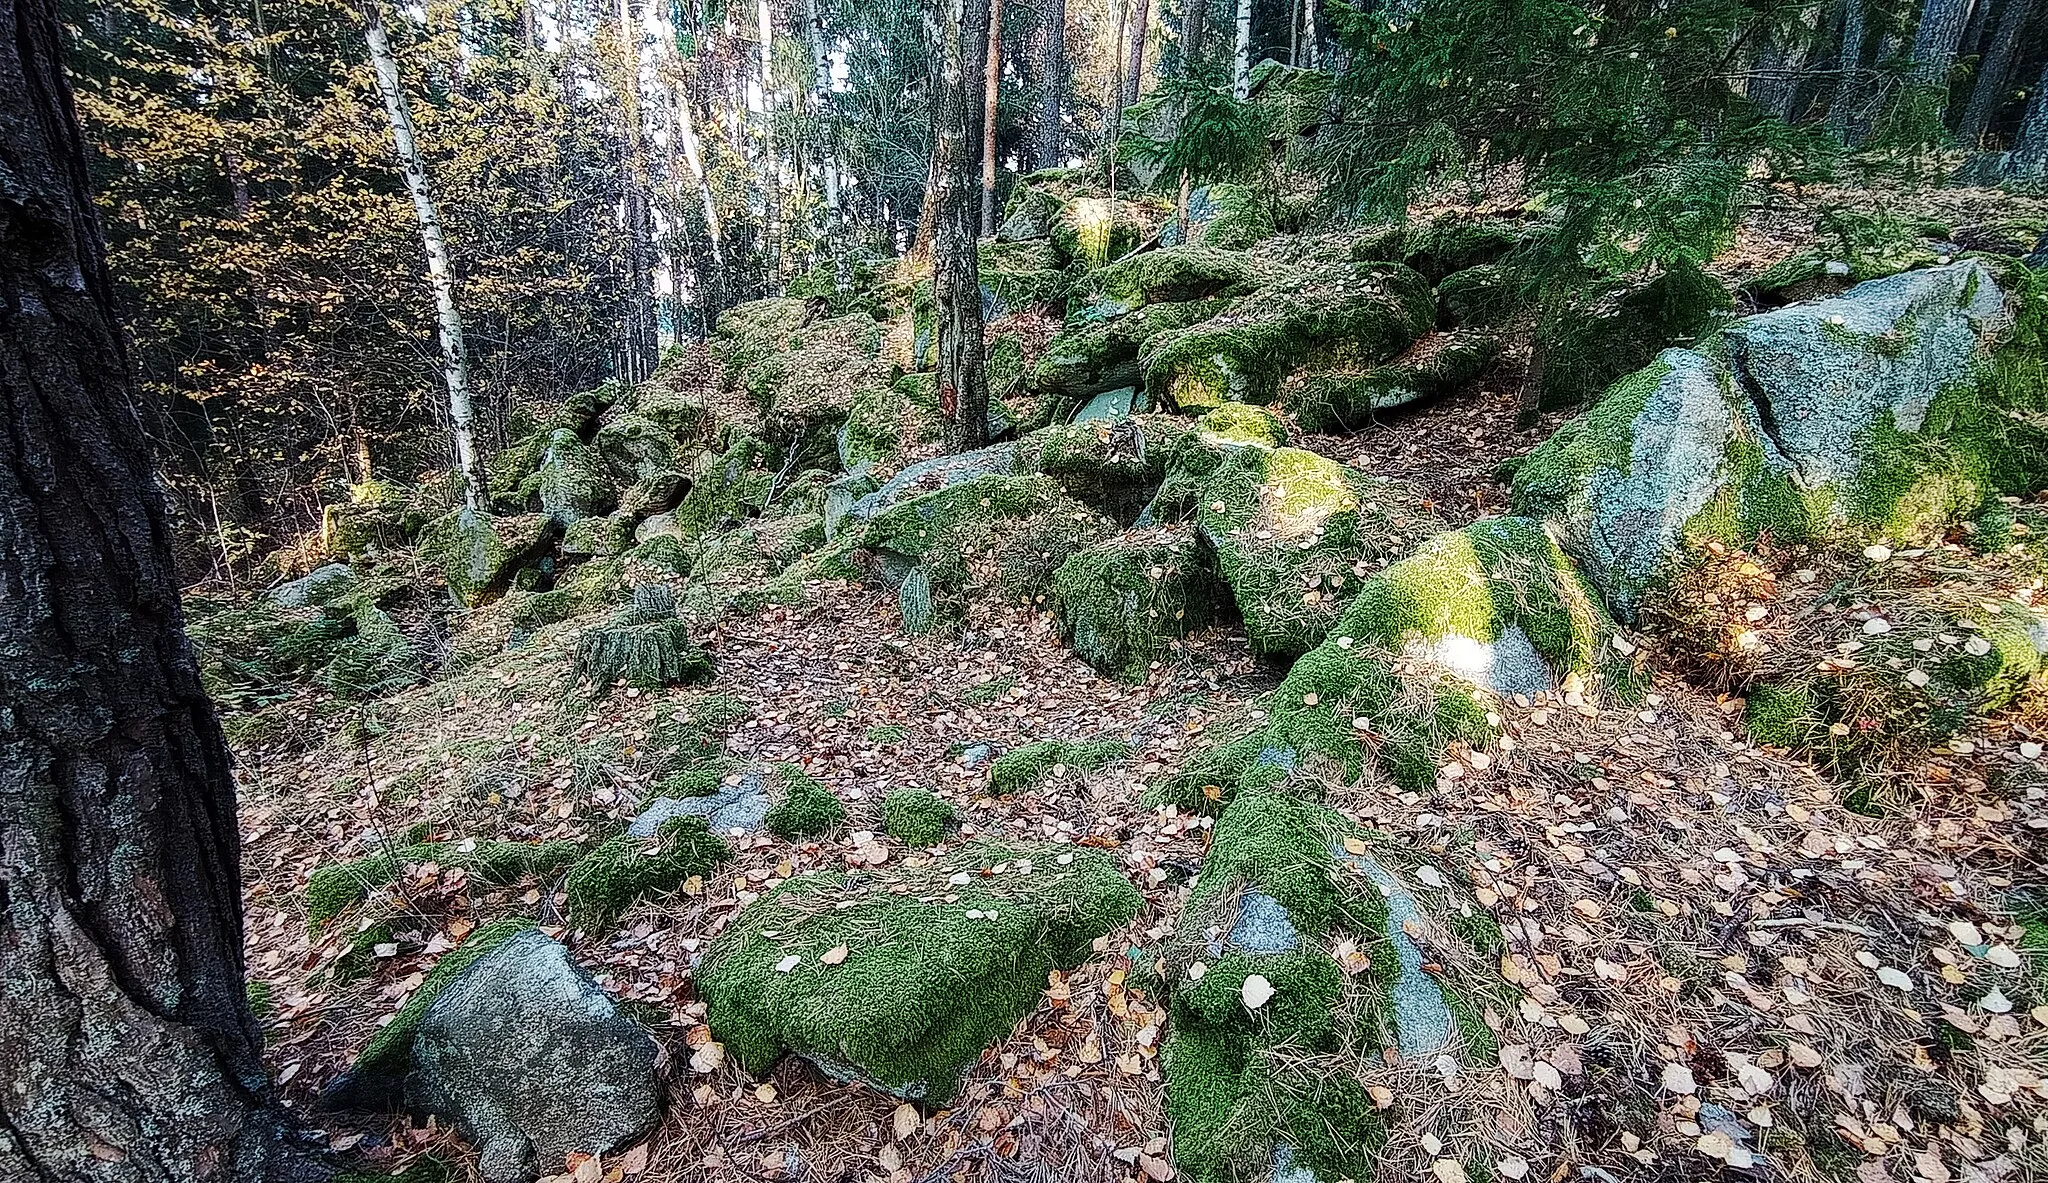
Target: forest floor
[1720, 965]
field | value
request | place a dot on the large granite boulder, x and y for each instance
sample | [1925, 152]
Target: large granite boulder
[512, 1040]
[1881, 413]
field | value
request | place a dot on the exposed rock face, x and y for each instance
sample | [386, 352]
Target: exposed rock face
[733, 808]
[1871, 412]
[476, 553]
[534, 1060]
[900, 976]
[321, 586]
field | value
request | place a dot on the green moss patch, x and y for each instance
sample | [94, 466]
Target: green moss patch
[902, 976]
[807, 808]
[1591, 340]
[1437, 365]
[620, 870]
[916, 817]
[1021, 768]
[333, 888]
[1097, 355]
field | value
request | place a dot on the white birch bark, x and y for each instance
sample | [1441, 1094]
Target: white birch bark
[440, 275]
[1241, 71]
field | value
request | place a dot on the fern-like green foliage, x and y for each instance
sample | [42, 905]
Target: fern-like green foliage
[1211, 133]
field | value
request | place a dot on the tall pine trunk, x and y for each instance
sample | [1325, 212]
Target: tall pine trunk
[1050, 132]
[441, 276]
[127, 1047]
[1934, 43]
[1994, 72]
[1849, 83]
[961, 34]
[992, 93]
[1135, 75]
[1241, 63]
[2030, 151]
[639, 340]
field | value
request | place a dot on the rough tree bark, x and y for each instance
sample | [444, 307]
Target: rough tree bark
[1934, 42]
[961, 36]
[639, 339]
[1241, 64]
[1050, 132]
[1849, 83]
[2030, 152]
[126, 1042]
[441, 276]
[1994, 72]
[1194, 32]
[1135, 73]
[992, 92]
[821, 99]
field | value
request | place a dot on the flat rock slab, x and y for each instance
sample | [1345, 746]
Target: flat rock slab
[1422, 1019]
[940, 472]
[739, 808]
[1263, 926]
[534, 1061]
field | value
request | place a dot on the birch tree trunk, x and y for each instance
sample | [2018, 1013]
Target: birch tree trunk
[1241, 67]
[126, 1044]
[771, 181]
[1050, 132]
[1311, 36]
[992, 92]
[1994, 72]
[821, 107]
[961, 34]
[454, 361]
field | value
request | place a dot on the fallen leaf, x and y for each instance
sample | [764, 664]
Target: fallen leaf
[833, 956]
[1256, 991]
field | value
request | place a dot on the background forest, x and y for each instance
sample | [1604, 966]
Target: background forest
[610, 179]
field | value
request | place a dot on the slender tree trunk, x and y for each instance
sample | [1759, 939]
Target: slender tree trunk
[1994, 72]
[126, 1044]
[771, 181]
[1849, 83]
[639, 345]
[1051, 132]
[1135, 75]
[1241, 68]
[1194, 32]
[2030, 151]
[961, 38]
[693, 159]
[1311, 36]
[821, 111]
[454, 362]
[992, 92]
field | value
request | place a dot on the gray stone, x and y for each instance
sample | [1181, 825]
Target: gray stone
[1422, 1019]
[534, 1061]
[1263, 926]
[1508, 665]
[1111, 406]
[939, 472]
[322, 586]
[977, 755]
[1828, 370]
[736, 807]
[1286, 1170]
[660, 523]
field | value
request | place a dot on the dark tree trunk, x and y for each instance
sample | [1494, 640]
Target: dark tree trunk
[1135, 74]
[1842, 112]
[961, 34]
[1050, 132]
[126, 1042]
[1994, 72]
[2030, 152]
[1194, 28]
[1934, 43]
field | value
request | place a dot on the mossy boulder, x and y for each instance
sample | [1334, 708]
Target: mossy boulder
[1111, 465]
[1440, 363]
[1238, 425]
[734, 486]
[807, 385]
[1021, 275]
[645, 644]
[886, 422]
[1093, 356]
[569, 480]
[1174, 275]
[1885, 412]
[635, 448]
[477, 553]
[598, 537]
[991, 536]
[901, 976]
[1486, 296]
[1494, 609]
[1120, 602]
[1590, 340]
[806, 809]
[1223, 216]
[1295, 534]
[605, 882]
[1092, 231]
[1328, 312]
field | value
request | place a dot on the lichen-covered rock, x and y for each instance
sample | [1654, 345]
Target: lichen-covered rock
[1113, 466]
[991, 537]
[598, 537]
[1120, 601]
[1021, 275]
[900, 976]
[533, 1060]
[1237, 425]
[1881, 412]
[1295, 534]
[476, 553]
[569, 479]
[636, 448]
[736, 807]
[930, 476]
[884, 422]
[319, 588]
[1328, 312]
[1437, 365]
[807, 381]
[1227, 217]
[1095, 356]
